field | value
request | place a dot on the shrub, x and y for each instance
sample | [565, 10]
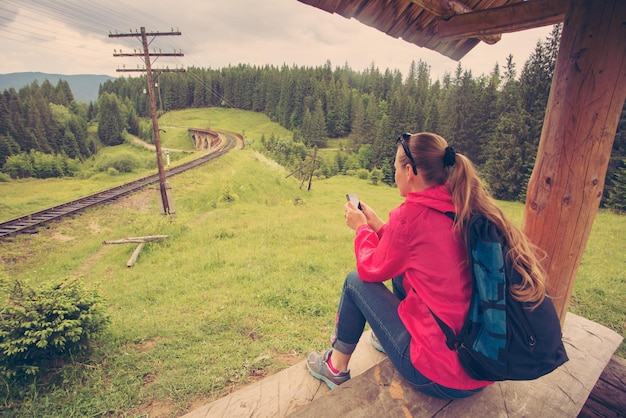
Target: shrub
[45, 327]
[19, 166]
[363, 174]
[227, 194]
[123, 163]
[40, 165]
[71, 166]
[376, 175]
[46, 165]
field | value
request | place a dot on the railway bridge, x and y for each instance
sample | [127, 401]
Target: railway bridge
[204, 139]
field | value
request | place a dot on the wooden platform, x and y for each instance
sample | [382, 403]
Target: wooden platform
[376, 389]
[284, 392]
[608, 397]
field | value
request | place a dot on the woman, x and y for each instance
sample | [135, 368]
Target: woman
[422, 249]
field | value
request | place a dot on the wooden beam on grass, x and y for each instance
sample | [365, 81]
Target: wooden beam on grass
[136, 240]
[133, 257]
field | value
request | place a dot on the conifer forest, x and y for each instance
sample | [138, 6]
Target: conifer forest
[494, 119]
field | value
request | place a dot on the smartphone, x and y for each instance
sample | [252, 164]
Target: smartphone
[351, 197]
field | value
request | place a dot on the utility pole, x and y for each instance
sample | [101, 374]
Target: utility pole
[146, 54]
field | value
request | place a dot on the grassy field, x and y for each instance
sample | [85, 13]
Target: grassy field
[245, 285]
[249, 124]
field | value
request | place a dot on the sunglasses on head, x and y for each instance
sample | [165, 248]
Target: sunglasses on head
[404, 140]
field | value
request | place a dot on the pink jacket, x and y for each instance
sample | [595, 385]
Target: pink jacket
[419, 242]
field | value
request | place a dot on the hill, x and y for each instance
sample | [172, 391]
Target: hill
[84, 86]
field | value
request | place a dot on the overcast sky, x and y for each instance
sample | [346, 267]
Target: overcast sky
[71, 37]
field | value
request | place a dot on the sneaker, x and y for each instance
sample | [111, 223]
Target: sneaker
[316, 363]
[377, 345]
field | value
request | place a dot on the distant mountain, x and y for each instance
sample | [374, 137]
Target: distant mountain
[84, 86]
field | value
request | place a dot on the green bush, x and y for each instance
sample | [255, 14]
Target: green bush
[376, 175]
[46, 165]
[46, 327]
[227, 194]
[19, 166]
[363, 174]
[40, 165]
[123, 162]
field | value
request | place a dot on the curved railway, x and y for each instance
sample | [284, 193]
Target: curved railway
[30, 223]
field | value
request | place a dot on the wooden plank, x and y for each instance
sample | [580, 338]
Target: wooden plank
[615, 374]
[593, 409]
[608, 397]
[136, 240]
[285, 392]
[381, 391]
[498, 20]
[133, 257]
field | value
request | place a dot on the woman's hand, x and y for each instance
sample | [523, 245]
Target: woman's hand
[373, 220]
[355, 217]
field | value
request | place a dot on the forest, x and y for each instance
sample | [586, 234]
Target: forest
[495, 119]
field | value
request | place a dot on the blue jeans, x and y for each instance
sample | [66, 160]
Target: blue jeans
[373, 303]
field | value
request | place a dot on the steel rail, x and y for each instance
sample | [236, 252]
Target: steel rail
[30, 223]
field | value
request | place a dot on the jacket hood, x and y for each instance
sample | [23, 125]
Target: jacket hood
[436, 197]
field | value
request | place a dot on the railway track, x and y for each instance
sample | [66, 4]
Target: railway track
[30, 223]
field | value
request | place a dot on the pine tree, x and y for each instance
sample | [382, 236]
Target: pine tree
[8, 147]
[111, 120]
[615, 183]
[358, 121]
[63, 93]
[314, 127]
[535, 82]
[507, 153]
[616, 198]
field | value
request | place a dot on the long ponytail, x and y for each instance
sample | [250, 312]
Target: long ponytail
[471, 197]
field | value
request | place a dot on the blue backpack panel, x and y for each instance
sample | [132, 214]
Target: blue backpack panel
[502, 338]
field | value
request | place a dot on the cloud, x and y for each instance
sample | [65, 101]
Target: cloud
[71, 37]
[8, 14]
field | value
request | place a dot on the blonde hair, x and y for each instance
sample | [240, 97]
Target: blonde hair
[471, 197]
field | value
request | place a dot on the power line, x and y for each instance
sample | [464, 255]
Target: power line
[28, 22]
[147, 55]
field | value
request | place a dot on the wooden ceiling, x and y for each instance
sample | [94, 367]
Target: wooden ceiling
[450, 27]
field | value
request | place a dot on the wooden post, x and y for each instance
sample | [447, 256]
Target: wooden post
[585, 103]
[133, 257]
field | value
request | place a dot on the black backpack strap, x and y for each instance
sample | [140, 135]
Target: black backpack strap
[450, 215]
[451, 338]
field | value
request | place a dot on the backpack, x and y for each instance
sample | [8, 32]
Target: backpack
[502, 338]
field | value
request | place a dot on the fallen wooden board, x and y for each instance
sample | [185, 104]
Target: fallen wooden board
[136, 240]
[135, 254]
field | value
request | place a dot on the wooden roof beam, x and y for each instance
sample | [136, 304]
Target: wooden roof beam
[513, 18]
[444, 8]
[449, 8]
